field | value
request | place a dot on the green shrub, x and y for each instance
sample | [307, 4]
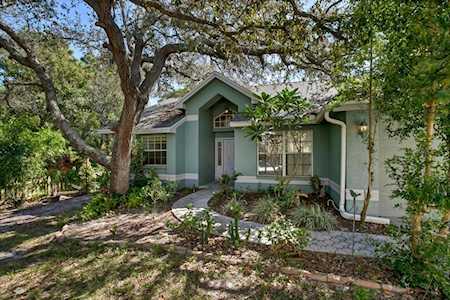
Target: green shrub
[153, 194]
[285, 237]
[233, 232]
[99, 205]
[234, 209]
[285, 197]
[313, 217]
[157, 192]
[267, 210]
[195, 225]
[429, 269]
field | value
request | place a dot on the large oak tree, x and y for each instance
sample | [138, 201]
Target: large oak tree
[149, 40]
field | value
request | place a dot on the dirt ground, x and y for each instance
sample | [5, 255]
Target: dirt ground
[125, 255]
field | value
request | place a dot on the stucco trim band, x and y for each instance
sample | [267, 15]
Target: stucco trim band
[173, 177]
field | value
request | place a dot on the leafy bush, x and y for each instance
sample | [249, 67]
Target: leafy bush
[234, 206]
[226, 183]
[428, 269]
[99, 205]
[157, 192]
[235, 211]
[313, 217]
[285, 237]
[285, 197]
[195, 225]
[31, 152]
[267, 210]
[233, 232]
[153, 194]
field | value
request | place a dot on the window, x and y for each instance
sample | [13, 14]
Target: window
[286, 154]
[219, 153]
[299, 153]
[155, 150]
[270, 155]
[223, 120]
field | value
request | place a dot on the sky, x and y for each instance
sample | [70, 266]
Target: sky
[80, 13]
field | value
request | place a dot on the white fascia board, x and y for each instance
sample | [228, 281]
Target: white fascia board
[192, 117]
[177, 177]
[240, 123]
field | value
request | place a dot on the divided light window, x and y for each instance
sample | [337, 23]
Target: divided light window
[223, 120]
[155, 150]
[287, 153]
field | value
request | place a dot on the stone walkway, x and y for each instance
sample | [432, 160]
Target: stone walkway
[338, 242]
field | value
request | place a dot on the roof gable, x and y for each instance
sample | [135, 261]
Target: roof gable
[223, 79]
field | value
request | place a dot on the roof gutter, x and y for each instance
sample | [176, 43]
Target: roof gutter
[342, 211]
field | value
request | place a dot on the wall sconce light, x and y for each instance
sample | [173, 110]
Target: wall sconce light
[362, 128]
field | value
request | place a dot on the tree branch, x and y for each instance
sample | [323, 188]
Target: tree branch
[116, 40]
[176, 14]
[50, 94]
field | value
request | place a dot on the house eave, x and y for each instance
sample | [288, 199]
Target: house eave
[140, 131]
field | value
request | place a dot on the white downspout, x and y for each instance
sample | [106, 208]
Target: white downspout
[342, 211]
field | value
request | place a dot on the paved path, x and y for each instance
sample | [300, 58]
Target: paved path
[39, 212]
[339, 242]
[34, 223]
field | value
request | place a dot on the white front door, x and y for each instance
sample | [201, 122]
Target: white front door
[224, 156]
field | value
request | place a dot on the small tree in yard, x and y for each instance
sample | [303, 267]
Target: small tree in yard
[151, 42]
[415, 65]
[357, 77]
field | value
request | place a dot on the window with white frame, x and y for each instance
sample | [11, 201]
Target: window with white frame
[287, 153]
[155, 150]
[270, 155]
[223, 120]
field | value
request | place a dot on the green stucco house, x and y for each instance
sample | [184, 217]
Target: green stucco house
[196, 138]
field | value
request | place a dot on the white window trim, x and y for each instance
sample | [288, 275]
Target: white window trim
[283, 159]
[157, 150]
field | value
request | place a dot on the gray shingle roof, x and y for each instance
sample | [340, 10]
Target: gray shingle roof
[167, 112]
[311, 90]
[160, 116]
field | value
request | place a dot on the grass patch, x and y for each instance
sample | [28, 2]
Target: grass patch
[74, 270]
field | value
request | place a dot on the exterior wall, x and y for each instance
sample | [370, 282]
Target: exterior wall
[323, 151]
[206, 148]
[200, 134]
[334, 158]
[214, 90]
[190, 151]
[381, 203]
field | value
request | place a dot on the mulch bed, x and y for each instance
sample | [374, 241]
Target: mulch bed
[219, 204]
[344, 265]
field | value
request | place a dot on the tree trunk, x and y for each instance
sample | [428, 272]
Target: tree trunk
[445, 230]
[121, 152]
[417, 216]
[370, 150]
[370, 138]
